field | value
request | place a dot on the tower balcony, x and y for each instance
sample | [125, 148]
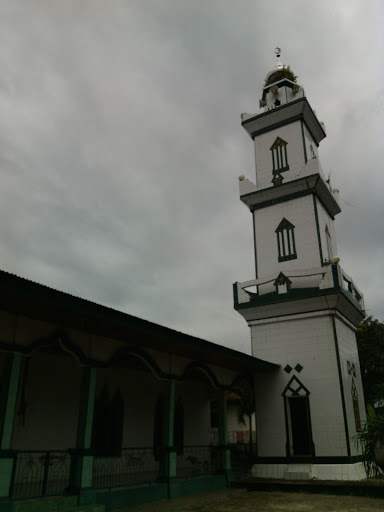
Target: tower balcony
[301, 285]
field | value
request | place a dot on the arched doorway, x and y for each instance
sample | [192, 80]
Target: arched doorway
[241, 408]
[123, 430]
[298, 419]
[196, 454]
[46, 420]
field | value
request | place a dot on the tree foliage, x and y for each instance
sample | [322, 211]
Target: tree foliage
[246, 405]
[371, 439]
[284, 72]
[370, 344]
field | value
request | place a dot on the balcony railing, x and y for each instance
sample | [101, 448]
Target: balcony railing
[349, 286]
[40, 473]
[330, 276]
[134, 466]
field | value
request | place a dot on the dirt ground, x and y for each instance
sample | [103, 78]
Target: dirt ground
[278, 501]
[238, 500]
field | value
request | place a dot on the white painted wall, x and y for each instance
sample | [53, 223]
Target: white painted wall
[348, 352]
[295, 150]
[300, 212]
[326, 220]
[284, 95]
[307, 340]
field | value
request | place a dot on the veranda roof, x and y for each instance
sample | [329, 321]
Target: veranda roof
[20, 295]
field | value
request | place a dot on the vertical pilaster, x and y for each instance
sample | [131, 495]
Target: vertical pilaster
[7, 416]
[225, 454]
[82, 455]
[168, 469]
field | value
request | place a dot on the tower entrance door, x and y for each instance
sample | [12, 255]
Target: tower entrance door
[300, 426]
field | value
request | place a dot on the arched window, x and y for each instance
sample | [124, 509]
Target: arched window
[107, 435]
[329, 243]
[279, 156]
[356, 409]
[286, 241]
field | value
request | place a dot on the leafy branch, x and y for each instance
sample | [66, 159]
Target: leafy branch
[284, 72]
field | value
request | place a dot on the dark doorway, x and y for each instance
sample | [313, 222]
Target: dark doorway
[300, 428]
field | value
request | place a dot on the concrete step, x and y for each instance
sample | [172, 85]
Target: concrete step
[297, 475]
[298, 472]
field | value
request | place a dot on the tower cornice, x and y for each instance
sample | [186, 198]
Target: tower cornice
[285, 114]
[313, 184]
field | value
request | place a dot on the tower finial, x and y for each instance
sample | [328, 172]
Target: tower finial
[279, 64]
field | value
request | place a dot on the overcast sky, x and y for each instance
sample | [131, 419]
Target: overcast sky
[121, 146]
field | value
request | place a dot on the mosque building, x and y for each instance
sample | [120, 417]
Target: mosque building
[100, 409]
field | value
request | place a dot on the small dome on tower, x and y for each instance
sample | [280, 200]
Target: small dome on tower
[280, 86]
[279, 72]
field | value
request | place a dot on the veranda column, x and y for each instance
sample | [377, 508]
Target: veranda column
[7, 415]
[82, 456]
[225, 454]
[169, 457]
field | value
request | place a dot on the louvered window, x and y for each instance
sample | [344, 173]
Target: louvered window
[279, 156]
[286, 245]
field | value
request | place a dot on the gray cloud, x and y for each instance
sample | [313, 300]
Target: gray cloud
[121, 145]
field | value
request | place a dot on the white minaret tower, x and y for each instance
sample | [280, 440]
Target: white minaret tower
[302, 308]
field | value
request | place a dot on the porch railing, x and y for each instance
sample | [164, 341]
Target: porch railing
[134, 466]
[242, 456]
[40, 473]
[240, 436]
[47, 473]
[197, 461]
